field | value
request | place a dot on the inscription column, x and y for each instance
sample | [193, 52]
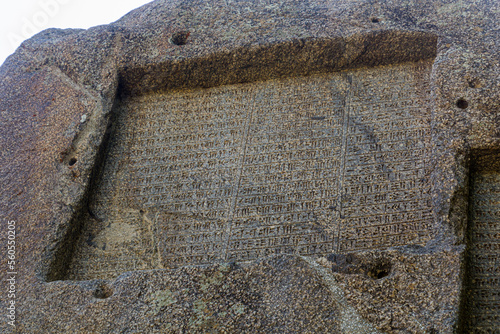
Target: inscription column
[183, 168]
[385, 193]
[289, 180]
[483, 288]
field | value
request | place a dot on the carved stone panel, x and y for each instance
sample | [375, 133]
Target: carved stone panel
[483, 282]
[312, 165]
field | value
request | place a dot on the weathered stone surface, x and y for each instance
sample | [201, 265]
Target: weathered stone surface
[243, 166]
[307, 166]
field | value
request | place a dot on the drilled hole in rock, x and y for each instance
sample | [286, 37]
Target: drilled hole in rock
[382, 274]
[375, 20]
[380, 270]
[72, 161]
[462, 104]
[103, 291]
[180, 38]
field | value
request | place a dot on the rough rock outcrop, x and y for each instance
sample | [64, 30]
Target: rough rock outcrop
[255, 166]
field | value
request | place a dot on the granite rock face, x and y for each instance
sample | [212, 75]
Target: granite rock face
[255, 166]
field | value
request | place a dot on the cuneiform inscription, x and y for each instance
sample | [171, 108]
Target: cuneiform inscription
[327, 163]
[483, 315]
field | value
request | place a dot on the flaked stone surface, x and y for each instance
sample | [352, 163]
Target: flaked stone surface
[216, 299]
[392, 288]
[354, 142]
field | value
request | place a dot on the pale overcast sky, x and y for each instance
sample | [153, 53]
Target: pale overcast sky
[21, 19]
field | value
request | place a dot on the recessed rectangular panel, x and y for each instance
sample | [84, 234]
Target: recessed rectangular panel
[483, 287]
[312, 165]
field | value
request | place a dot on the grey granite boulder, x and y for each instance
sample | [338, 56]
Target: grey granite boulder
[255, 167]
